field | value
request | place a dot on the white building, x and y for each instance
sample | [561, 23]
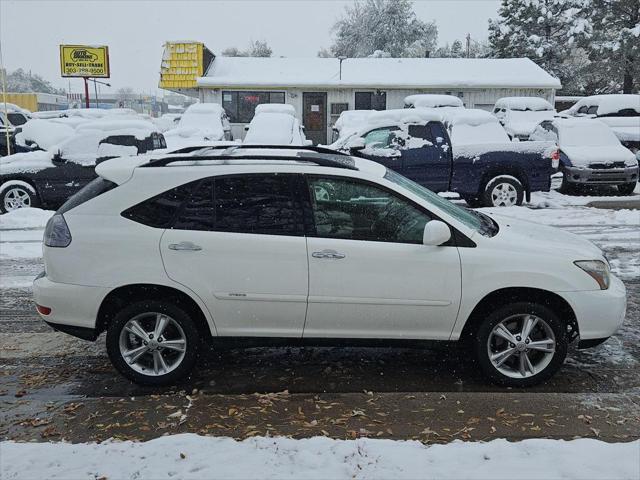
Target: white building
[321, 88]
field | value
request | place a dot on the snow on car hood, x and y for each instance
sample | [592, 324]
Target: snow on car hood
[26, 162]
[607, 154]
[627, 129]
[522, 235]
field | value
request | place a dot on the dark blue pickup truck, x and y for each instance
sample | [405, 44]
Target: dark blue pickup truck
[456, 150]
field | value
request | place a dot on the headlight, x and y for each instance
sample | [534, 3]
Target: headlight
[597, 269]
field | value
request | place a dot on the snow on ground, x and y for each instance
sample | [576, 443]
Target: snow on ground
[191, 456]
[24, 218]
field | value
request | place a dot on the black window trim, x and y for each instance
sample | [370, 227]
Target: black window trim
[458, 239]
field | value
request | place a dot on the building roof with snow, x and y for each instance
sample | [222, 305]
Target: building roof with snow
[376, 73]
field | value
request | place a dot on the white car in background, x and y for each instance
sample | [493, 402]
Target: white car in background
[520, 115]
[590, 154]
[201, 122]
[621, 112]
[275, 124]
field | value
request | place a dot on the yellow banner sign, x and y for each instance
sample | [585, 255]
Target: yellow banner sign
[84, 61]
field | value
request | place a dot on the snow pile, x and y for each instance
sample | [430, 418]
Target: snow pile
[275, 108]
[192, 456]
[608, 104]
[26, 162]
[141, 129]
[25, 218]
[45, 134]
[524, 104]
[474, 127]
[385, 118]
[432, 101]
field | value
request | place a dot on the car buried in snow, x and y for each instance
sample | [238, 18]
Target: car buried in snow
[275, 124]
[47, 178]
[520, 115]
[455, 149]
[590, 155]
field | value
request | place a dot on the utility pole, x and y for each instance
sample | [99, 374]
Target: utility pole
[468, 45]
[86, 92]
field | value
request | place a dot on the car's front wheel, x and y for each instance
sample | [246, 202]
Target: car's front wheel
[627, 188]
[521, 344]
[16, 194]
[503, 191]
[153, 342]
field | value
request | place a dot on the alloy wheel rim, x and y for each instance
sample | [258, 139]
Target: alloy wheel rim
[153, 344]
[16, 198]
[521, 346]
[504, 195]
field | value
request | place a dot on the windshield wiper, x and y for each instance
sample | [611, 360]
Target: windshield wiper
[488, 225]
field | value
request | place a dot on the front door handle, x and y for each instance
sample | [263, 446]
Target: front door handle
[185, 246]
[328, 254]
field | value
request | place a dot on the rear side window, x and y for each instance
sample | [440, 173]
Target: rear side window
[91, 190]
[255, 203]
[160, 211]
[262, 204]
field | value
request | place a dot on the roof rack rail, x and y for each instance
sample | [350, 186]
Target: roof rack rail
[338, 161]
[240, 146]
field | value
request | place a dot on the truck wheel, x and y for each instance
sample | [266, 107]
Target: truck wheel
[16, 194]
[521, 344]
[153, 342]
[627, 188]
[503, 191]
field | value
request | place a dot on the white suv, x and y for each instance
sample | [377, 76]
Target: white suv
[300, 245]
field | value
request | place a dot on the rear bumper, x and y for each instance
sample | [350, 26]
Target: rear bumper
[601, 176]
[74, 308]
[600, 313]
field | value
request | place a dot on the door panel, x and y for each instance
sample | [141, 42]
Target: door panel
[369, 274]
[314, 117]
[238, 243]
[428, 165]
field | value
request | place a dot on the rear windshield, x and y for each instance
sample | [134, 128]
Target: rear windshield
[89, 191]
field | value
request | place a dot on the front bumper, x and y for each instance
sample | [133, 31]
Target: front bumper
[74, 308]
[600, 313]
[601, 176]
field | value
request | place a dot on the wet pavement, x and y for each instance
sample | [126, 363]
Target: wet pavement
[53, 386]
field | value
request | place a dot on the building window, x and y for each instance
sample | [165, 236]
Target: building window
[371, 100]
[241, 105]
[336, 110]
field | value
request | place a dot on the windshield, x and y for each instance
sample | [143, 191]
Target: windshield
[587, 134]
[463, 215]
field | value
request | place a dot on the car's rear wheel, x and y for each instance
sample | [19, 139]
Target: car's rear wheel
[627, 188]
[503, 191]
[17, 194]
[521, 344]
[153, 342]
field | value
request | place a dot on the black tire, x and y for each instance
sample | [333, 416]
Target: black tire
[627, 188]
[24, 189]
[504, 182]
[180, 316]
[569, 188]
[472, 201]
[484, 330]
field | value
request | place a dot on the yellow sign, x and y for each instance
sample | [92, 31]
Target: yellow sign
[182, 64]
[84, 61]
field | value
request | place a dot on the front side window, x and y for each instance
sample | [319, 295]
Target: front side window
[353, 210]
[381, 138]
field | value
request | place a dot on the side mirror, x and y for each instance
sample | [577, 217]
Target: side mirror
[436, 233]
[57, 159]
[356, 144]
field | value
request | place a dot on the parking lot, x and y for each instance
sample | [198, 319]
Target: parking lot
[53, 386]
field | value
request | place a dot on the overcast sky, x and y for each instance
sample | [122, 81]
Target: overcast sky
[134, 30]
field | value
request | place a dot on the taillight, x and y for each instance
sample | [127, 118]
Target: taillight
[555, 159]
[56, 233]
[43, 310]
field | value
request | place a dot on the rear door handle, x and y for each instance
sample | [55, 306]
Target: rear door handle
[185, 246]
[332, 254]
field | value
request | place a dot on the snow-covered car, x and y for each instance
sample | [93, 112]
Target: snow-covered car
[47, 178]
[11, 121]
[348, 123]
[306, 244]
[590, 154]
[275, 124]
[621, 112]
[457, 150]
[200, 122]
[428, 100]
[520, 115]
